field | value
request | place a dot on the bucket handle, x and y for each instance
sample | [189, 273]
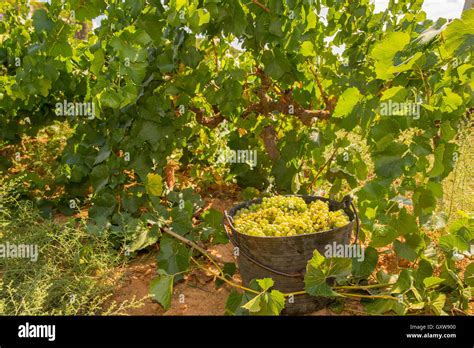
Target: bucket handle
[346, 202]
[231, 238]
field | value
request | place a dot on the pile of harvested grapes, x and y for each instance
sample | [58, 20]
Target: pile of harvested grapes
[280, 216]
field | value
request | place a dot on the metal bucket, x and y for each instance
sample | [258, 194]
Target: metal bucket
[284, 259]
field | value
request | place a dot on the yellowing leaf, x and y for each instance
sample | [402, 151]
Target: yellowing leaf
[204, 16]
[397, 93]
[451, 100]
[347, 101]
[154, 184]
[311, 20]
[307, 49]
[180, 3]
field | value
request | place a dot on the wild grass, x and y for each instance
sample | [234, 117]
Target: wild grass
[75, 273]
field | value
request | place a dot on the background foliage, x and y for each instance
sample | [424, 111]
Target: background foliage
[176, 82]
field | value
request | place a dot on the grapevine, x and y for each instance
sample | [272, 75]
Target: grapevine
[171, 99]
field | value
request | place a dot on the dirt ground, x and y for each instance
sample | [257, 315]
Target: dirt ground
[195, 295]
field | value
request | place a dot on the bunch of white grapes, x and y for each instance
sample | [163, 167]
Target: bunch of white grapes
[287, 216]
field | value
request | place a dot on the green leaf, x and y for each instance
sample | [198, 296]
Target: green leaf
[182, 219]
[384, 52]
[154, 184]
[265, 283]
[458, 35]
[266, 303]
[179, 4]
[42, 21]
[275, 28]
[404, 282]
[437, 302]
[110, 98]
[311, 19]
[405, 223]
[103, 206]
[395, 94]
[228, 270]
[307, 49]
[451, 100]
[383, 235]
[98, 62]
[204, 16]
[438, 167]
[424, 202]
[464, 224]
[145, 237]
[319, 270]
[253, 306]
[388, 166]
[99, 177]
[404, 250]
[276, 63]
[379, 306]
[235, 301]
[469, 275]
[347, 101]
[365, 267]
[161, 287]
[450, 242]
[423, 271]
[213, 218]
[103, 154]
[87, 10]
[432, 281]
[173, 256]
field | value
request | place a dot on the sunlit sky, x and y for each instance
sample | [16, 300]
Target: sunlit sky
[434, 8]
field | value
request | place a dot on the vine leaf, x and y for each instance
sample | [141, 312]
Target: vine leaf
[212, 218]
[458, 35]
[154, 184]
[228, 270]
[469, 275]
[42, 22]
[384, 52]
[173, 256]
[161, 287]
[319, 272]
[365, 267]
[235, 301]
[99, 177]
[347, 101]
[432, 281]
[266, 303]
[307, 49]
[437, 302]
[383, 235]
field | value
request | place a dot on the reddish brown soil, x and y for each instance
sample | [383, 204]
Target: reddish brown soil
[195, 295]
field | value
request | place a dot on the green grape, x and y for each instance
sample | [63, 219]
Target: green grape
[287, 216]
